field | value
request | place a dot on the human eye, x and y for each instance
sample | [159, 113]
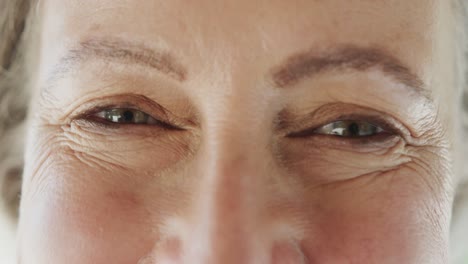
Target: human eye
[126, 116]
[127, 113]
[354, 132]
[121, 117]
[350, 128]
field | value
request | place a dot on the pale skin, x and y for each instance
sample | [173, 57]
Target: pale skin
[240, 132]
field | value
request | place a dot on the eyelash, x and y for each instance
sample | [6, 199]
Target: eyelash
[387, 131]
[349, 124]
[97, 116]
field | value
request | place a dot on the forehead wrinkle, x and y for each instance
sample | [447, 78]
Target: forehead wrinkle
[310, 64]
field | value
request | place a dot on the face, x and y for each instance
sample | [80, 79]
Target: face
[240, 132]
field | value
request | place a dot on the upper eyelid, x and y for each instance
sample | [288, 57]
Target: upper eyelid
[114, 107]
[135, 102]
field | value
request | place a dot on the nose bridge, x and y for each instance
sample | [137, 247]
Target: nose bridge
[231, 159]
[227, 202]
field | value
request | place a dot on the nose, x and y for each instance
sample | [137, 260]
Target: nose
[227, 213]
[229, 219]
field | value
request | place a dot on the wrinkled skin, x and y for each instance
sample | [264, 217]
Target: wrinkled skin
[234, 178]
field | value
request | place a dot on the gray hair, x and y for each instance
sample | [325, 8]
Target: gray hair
[13, 100]
[459, 229]
[463, 73]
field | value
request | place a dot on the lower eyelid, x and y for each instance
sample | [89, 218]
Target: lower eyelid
[125, 132]
[379, 141]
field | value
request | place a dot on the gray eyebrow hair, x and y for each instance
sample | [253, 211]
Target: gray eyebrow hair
[122, 52]
[311, 63]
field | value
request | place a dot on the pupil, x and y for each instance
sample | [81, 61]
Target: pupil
[127, 116]
[353, 129]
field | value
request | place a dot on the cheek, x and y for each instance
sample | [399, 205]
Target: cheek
[90, 198]
[393, 216]
[76, 213]
[362, 207]
[69, 221]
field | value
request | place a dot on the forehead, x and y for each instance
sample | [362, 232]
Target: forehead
[245, 29]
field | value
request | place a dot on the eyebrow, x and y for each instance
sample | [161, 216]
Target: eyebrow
[311, 63]
[295, 68]
[121, 52]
